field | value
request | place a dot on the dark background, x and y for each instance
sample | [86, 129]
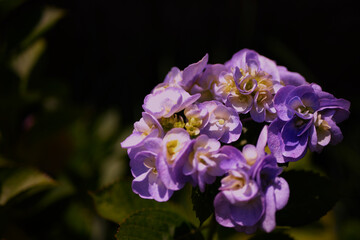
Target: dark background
[109, 54]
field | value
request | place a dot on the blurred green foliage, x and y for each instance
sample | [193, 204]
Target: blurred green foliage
[20, 180]
[53, 151]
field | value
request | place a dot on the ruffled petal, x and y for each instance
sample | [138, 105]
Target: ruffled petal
[280, 103]
[269, 223]
[192, 71]
[140, 185]
[158, 190]
[247, 213]
[133, 140]
[234, 158]
[222, 211]
[262, 140]
[281, 192]
[275, 142]
[291, 78]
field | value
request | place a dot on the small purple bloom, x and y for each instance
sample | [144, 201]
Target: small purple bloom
[147, 183]
[307, 117]
[164, 103]
[249, 85]
[204, 83]
[147, 127]
[251, 192]
[252, 153]
[224, 123]
[183, 79]
[245, 203]
[197, 118]
[239, 203]
[170, 161]
[249, 59]
[202, 161]
[172, 79]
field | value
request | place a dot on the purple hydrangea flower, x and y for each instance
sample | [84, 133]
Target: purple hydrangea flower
[147, 127]
[307, 117]
[164, 103]
[202, 161]
[204, 83]
[251, 192]
[185, 118]
[197, 118]
[223, 124]
[147, 183]
[170, 161]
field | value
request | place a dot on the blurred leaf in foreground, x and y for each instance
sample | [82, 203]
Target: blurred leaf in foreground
[79, 219]
[156, 224]
[203, 201]
[21, 180]
[62, 190]
[49, 18]
[311, 197]
[25, 61]
[117, 201]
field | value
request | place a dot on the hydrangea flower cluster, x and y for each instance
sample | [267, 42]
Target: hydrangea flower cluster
[190, 120]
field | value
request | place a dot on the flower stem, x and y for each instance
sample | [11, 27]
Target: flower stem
[212, 228]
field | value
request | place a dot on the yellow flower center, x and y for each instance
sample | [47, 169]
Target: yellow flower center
[234, 183]
[321, 123]
[221, 121]
[172, 122]
[172, 147]
[193, 125]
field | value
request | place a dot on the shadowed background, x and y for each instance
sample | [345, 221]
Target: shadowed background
[73, 76]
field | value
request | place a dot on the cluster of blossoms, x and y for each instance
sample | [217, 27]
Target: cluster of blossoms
[191, 118]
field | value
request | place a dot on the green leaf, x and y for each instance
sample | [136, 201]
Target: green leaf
[156, 224]
[118, 201]
[203, 202]
[276, 235]
[311, 197]
[21, 180]
[50, 16]
[80, 219]
[63, 189]
[26, 60]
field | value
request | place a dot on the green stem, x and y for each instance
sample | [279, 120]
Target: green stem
[212, 228]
